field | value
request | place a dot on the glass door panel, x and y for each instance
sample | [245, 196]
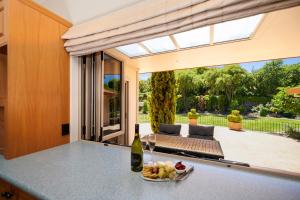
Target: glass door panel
[101, 97]
[112, 95]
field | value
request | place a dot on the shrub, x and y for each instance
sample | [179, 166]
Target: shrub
[274, 110]
[288, 114]
[293, 133]
[145, 107]
[242, 108]
[234, 104]
[286, 103]
[193, 114]
[254, 99]
[263, 111]
[184, 104]
[211, 102]
[235, 116]
[222, 103]
[207, 102]
[201, 102]
[256, 109]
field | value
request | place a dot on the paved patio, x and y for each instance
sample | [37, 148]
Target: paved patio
[256, 148]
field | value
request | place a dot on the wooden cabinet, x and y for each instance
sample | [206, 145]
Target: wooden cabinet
[8, 191]
[3, 94]
[3, 22]
[34, 78]
[4, 188]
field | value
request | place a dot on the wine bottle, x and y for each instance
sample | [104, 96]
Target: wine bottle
[136, 152]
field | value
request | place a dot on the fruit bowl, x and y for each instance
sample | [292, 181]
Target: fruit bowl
[180, 168]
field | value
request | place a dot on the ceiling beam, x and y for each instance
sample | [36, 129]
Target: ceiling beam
[144, 47]
[174, 42]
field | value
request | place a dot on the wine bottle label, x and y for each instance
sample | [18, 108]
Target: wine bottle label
[136, 159]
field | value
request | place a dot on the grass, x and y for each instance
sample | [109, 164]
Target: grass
[264, 124]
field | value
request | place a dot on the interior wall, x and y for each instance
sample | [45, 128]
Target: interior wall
[75, 99]
[276, 37]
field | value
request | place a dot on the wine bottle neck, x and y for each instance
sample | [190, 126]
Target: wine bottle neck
[137, 135]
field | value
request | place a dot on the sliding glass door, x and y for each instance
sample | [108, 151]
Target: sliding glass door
[102, 102]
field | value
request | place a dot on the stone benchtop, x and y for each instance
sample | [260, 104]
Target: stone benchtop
[85, 170]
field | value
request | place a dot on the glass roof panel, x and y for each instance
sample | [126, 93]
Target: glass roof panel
[236, 29]
[160, 44]
[132, 50]
[196, 37]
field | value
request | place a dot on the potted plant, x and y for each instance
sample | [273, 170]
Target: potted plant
[193, 116]
[235, 120]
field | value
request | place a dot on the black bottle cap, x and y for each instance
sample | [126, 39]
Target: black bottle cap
[137, 128]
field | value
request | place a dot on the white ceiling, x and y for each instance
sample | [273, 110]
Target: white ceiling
[77, 11]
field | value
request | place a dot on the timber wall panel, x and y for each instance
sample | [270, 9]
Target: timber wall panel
[38, 81]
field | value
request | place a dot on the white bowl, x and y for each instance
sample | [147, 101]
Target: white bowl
[180, 171]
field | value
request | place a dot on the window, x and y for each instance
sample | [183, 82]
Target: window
[196, 37]
[161, 44]
[236, 29]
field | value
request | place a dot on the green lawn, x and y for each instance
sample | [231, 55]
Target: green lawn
[265, 124]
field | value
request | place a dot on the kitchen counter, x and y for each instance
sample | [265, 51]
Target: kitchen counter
[85, 170]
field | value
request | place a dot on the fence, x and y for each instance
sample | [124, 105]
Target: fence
[263, 124]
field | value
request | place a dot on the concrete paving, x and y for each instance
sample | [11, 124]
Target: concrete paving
[256, 148]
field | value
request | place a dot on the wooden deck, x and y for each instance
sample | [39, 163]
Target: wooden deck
[197, 147]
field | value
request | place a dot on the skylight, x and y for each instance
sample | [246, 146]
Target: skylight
[236, 29]
[132, 50]
[160, 44]
[226, 31]
[196, 37]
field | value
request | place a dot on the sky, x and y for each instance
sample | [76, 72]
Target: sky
[250, 66]
[108, 77]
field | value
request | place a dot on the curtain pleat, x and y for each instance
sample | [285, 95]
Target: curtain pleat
[190, 14]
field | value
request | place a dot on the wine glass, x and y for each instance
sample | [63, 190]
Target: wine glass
[151, 143]
[144, 141]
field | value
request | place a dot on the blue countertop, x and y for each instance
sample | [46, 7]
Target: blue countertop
[85, 170]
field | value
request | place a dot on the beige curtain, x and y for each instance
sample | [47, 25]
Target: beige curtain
[154, 18]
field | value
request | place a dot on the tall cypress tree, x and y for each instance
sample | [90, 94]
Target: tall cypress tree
[163, 99]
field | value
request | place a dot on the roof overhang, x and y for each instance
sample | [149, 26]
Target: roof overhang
[294, 91]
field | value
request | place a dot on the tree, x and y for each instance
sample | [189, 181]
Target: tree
[144, 89]
[145, 107]
[186, 89]
[163, 99]
[145, 86]
[114, 84]
[228, 80]
[269, 78]
[291, 76]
